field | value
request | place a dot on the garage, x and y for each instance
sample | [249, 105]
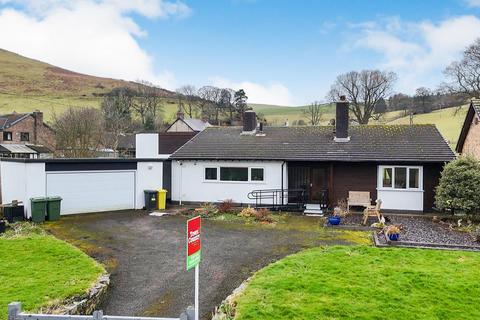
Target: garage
[93, 191]
[85, 185]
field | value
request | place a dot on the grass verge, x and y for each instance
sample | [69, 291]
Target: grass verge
[40, 270]
[364, 282]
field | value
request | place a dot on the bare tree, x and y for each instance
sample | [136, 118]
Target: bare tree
[363, 89]
[465, 74]
[148, 102]
[313, 113]
[423, 100]
[117, 113]
[79, 132]
[188, 98]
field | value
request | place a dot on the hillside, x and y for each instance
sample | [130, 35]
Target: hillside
[27, 84]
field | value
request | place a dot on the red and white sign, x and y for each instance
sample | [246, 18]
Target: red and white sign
[193, 242]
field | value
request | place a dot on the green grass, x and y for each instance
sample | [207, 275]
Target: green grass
[364, 282]
[40, 270]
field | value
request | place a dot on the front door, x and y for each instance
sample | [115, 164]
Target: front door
[318, 184]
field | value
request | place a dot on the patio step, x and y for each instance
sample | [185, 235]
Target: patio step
[313, 210]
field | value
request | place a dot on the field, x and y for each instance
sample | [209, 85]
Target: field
[365, 283]
[39, 270]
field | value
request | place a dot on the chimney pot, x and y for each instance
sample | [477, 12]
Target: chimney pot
[180, 114]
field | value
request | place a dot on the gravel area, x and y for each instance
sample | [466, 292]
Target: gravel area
[424, 230]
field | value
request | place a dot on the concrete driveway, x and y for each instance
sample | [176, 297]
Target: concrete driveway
[146, 256]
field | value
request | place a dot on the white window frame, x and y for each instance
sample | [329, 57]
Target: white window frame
[380, 178]
[249, 181]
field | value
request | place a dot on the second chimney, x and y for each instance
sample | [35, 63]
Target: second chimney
[249, 121]
[341, 120]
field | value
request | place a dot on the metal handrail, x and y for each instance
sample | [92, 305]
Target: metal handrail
[278, 198]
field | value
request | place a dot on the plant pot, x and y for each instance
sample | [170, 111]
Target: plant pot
[3, 226]
[394, 236]
[334, 221]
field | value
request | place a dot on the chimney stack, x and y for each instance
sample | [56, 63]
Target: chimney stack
[180, 114]
[341, 121]
[249, 122]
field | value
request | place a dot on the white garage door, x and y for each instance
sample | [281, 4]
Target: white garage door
[92, 191]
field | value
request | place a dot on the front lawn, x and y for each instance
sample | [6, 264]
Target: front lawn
[38, 269]
[365, 283]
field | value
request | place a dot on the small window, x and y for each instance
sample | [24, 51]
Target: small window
[413, 178]
[400, 178]
[233, 174]
[256, 174]
[7, 136]
[210, 173]
[24, 136]
[387, 178]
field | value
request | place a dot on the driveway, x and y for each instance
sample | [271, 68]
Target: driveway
[146, 256]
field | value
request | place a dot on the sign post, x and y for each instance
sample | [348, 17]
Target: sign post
[194, 254]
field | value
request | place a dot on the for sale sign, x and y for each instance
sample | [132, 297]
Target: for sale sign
[193, 242]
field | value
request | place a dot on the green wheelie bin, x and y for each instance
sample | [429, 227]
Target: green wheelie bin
[39, 208]
[53, 208]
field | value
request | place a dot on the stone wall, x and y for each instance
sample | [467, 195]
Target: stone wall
[472, 141]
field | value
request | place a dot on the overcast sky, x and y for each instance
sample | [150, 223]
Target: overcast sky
[280, 52]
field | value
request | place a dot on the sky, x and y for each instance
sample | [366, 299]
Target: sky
[281, 52]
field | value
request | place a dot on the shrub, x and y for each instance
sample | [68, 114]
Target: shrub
[393, 229]
[476, 234]
[207, 210]
[263, 215]
[459, 187]
[226, 206]
[247, 212]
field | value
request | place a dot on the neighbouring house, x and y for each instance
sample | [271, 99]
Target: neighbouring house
[182, 124]
[25, 135]
[400, 164]
[124, 147]
[469, 140]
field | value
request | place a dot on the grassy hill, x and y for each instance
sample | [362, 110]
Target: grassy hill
[28, 84]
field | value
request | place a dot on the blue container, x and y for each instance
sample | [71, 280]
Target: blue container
[334, 221]
[394, 236]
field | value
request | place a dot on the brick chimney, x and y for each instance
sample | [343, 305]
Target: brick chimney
[341, 121]
[37, 125]
[249, 122]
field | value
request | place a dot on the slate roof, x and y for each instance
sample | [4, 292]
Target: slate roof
[196, 124]
[378, 143]
[8, 120]
[169, 142]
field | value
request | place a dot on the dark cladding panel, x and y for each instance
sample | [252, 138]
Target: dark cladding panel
[89, 165]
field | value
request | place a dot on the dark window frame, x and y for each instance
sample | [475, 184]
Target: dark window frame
[206, 176]
[22, 135]
[6, 134]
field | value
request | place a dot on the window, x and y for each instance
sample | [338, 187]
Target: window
[414, 177]
[210, 173]
[256, 174]
[400, 177]
[387, 178]
[7, 136]
[24, 136]
[233, 174]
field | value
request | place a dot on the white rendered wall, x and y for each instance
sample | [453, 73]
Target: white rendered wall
[22, 181]
[189, 184]
[146, 145]
[401, 200]
[149, 177]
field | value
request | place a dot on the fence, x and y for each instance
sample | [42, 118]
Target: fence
[15, 313]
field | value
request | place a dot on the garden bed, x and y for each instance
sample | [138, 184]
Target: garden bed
[424, 232]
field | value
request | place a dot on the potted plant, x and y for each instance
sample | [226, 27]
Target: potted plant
[393, 233]
[335, 218]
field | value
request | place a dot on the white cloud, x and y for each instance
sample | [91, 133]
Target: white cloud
[472, 3]
[418, 52]
[97, 37]
[274, 93]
